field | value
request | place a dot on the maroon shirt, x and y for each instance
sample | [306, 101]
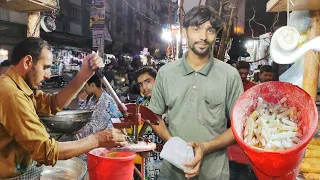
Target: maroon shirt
[247, 85]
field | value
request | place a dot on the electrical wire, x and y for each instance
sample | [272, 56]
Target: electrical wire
[35, 29]
[142, 13]
[252, 19]
[276, 19]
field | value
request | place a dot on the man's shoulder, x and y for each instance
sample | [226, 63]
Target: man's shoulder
[170, 68]
[8, 87]
[225, 68]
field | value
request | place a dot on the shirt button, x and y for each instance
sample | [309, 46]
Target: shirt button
[194, 87]
[195, 73]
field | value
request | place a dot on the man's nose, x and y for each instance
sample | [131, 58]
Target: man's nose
[144, 86]
[203, 35]
[47, 75]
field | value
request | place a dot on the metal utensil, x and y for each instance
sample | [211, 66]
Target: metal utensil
[67, 121]
[73, 168]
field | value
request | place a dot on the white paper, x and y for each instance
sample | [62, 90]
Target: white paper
[177, 152]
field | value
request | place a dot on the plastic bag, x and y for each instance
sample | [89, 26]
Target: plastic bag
[177, 152]
[300, 20]
[294, 74]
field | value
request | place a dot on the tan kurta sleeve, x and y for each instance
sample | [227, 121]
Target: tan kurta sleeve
[46, 103]
[22, 123]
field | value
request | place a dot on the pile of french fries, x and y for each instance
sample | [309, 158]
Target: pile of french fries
[273, 127]
[310, 166]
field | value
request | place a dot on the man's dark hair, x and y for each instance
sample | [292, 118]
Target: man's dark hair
[199, 15]
[150, 70]
[243, 65]
[5, 63]
[95, 79]
[30, 46]
[266, 68]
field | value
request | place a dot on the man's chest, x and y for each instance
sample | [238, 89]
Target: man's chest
[195, 89]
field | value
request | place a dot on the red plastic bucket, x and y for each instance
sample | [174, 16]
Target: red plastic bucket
[281, 164]
[101, 167]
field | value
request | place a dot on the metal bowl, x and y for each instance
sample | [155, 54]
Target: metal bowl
[67, 121]
[73, 168]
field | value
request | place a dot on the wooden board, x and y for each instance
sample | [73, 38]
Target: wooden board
[281, 5]
[28, 5]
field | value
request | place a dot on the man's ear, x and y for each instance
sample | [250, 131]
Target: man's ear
[27, 62]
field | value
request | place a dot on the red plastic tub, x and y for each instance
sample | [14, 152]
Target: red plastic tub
[101, 167]
[281, 164]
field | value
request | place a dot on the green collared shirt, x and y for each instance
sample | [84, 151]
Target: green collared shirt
[198, 104]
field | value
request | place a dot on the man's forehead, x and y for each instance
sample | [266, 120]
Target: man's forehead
[144, 77]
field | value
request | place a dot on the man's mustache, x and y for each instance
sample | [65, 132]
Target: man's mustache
[202, 42]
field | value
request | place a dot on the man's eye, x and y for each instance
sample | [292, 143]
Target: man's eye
[211, 31]
[196, 29]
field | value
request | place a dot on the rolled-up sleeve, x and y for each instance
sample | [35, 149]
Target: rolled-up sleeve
[22, 123]
[157, 102]
[46, 103]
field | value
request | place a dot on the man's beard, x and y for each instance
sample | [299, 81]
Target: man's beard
[201, 53]
[29, 80]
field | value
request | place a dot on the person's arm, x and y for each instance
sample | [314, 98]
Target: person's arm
[234, 90]
[89, 64]
[107, 138]
[22, 123]
[158, 106]
[161, 130]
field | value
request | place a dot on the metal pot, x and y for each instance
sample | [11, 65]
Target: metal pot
[67, 121]
[73, 168]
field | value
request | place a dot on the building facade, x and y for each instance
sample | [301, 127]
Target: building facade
[133, 25]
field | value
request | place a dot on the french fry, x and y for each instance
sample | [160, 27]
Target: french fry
[310, 165]
[315, 141]
[313, 147]
[311, 176]
[272, 127]
[310, 153]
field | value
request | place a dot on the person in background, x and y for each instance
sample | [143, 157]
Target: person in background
[109, 74]
[265, 74]
[24, 141]
[103, 104]
[198, 92]
[243, 69]
[145, 78]
[105, 108]
[4, 66]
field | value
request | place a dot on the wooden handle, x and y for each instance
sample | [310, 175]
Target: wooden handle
[312, 59]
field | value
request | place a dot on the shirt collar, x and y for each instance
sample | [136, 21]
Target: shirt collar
[21, 83]
[204, 71]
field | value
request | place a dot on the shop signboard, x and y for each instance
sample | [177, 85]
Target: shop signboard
[98, 38]
[97, 15]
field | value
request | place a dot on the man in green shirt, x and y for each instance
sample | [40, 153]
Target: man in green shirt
[198, 92]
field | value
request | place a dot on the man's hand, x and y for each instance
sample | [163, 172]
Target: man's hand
[89, 64]
[110, 138]
[199, 150]
[82, 96]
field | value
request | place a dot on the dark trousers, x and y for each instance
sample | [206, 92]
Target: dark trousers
[240, 171]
